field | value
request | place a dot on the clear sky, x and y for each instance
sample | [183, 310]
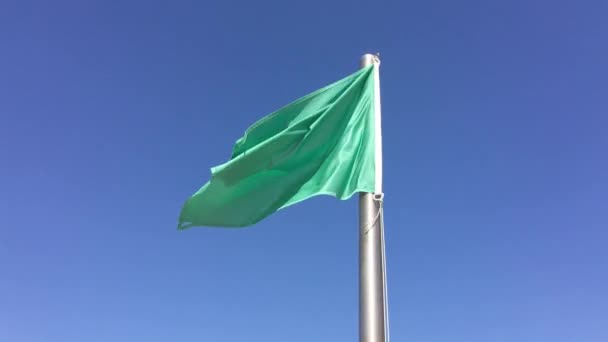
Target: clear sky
[496, 164]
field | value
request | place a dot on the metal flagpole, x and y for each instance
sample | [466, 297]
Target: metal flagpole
[373, 308]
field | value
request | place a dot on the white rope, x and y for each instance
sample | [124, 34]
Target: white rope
[385, 289]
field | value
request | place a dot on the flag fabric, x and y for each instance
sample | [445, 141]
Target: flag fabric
[321, 144]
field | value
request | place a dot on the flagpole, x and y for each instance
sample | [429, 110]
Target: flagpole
[373, 314]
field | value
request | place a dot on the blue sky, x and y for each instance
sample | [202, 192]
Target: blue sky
[112, 113]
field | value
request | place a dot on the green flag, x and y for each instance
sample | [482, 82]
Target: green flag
[321, 144]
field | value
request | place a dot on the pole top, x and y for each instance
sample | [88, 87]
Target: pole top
[369, 59]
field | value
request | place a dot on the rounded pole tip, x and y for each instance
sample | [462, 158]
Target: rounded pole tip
[369, 59]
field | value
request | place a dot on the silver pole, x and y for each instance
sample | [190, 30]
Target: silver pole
[372, 314]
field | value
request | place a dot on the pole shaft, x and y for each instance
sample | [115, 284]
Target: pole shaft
[372, 318]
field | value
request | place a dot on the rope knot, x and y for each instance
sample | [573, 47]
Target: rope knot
[379, 198]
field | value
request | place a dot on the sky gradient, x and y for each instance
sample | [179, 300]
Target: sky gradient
[496, 207]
